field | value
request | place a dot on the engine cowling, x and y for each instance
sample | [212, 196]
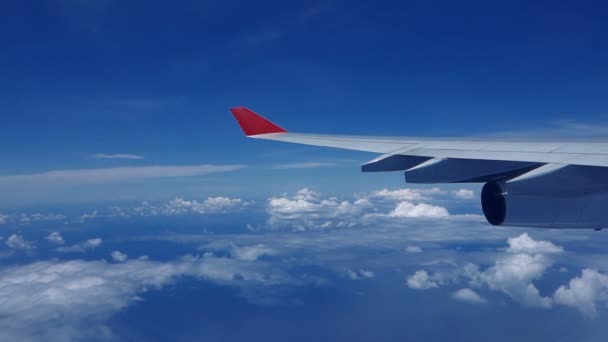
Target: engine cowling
[550, 197]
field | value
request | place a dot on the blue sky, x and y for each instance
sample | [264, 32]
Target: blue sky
[120, 157]
[156, 80]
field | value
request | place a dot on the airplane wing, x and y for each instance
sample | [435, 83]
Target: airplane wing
[528, 183]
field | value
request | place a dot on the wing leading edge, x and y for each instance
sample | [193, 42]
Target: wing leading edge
[422, 149]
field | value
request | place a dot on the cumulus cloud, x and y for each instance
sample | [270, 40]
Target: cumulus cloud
[306, 209]
[117, 156]
[113, 175]
[514, 272]
[117, 256]
[180, 206]
[525, 244]
[85, 246]
[514, 275]
[18, 242]
[584, 293]
[3, 218]
[468, 295]
[411, 210]
[407, 194]
[463, 194]
[421, 281]
[55, 238]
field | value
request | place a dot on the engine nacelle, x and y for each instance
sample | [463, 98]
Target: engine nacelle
[550, 197]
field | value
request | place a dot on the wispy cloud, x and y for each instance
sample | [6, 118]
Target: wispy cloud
[560, 129]
[304, 165]
[87, 245]
[117, 156]
[286, 25]
[114, 174]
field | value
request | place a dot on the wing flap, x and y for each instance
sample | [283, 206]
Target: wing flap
[392, 162]
[466, 171]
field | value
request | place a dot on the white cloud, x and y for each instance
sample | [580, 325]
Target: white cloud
[584, 293]
[117, 256]
[421, 281]
[92, 243]
[303, 210]
[177, 206]
[513, 273]
[55, 238]
[117, 156]
[463, 194]
[18, 242]
[307, 210]
[411, 210]
[65, 301]
[525, 244]
[250, 253]
[85, 246]
[113, 175]
[468, 295]
[3, 218]
[220, 205]
[180, 206]
[407, 194]
[87, 216]
[360, 274]
[413, 249]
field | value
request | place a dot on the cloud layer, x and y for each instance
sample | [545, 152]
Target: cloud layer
[71, 300]
[309, 210]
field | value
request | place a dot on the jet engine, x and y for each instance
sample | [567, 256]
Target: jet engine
[551, 196]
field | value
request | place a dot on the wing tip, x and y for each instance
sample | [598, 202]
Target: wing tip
[254, 124]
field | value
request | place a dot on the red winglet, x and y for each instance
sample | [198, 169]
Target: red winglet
[254, 124]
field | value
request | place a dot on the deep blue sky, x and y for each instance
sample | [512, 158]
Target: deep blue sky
[157, 79]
